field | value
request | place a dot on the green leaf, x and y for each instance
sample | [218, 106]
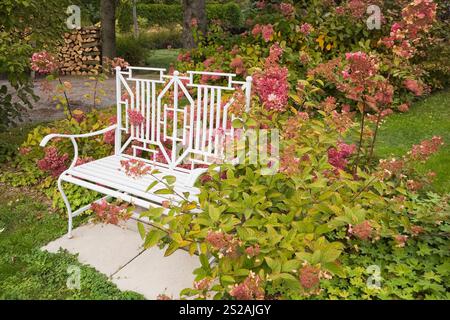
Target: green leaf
[170, 179]
[153, 213]
[334, 268]
[153, 237]
[171, 249]
[291, 265]
[141, 229]
[227, 279]
[273, 264]
[154, 183]
[214, 213]
[330, 255]
[242, 272]
[163, 191]
[237, 123]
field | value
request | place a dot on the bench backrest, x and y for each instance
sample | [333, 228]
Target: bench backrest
[176, 120]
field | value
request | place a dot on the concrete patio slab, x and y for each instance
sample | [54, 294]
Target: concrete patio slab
[116, 251]
[152, 274]
[105, 247]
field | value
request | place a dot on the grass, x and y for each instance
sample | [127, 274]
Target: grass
[161, 58]
[427, 118]
[26, 272]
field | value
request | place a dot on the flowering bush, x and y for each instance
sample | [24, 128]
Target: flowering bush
[285, 236]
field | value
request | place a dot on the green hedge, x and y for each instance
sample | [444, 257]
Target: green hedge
[166, 14]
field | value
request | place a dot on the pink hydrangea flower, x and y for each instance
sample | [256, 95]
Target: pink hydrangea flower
[249, 289]
[305, 28]
[267, 32]
[43, 62]
[52, 162]
[337, 157]
[414, 86]
[136, 118]
[287, 9]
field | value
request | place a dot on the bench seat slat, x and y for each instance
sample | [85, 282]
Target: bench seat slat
[116, 175]
[107, 173]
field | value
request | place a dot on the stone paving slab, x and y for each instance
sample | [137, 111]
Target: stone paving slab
[104, 246]
[152, 274]
[117, 252]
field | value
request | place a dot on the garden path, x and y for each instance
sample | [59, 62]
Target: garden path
[45, 108]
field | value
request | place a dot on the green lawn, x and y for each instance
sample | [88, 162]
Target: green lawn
[26, 272]
[161, 58]
[425, 119]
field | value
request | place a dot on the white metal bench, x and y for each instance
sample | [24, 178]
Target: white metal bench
[182, 119]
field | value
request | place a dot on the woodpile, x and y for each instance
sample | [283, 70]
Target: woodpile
[81, 52]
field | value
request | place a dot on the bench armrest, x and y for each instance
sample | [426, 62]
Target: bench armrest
[48, 137]
[72, 138]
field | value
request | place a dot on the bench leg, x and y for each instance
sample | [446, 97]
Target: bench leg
[69, 208]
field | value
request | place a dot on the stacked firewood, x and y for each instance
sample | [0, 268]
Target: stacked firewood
[81, 52]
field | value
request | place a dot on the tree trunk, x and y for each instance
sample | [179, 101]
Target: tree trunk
[193, 9]
[135, 21]
[200, 12]
[108, 22]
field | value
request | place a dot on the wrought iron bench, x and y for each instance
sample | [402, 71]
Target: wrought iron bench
[181, 122]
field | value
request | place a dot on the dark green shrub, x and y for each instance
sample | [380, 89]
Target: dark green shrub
[161, 39]
[134, 50]
[167, 14]
[230, 14]
[130, 49]
[161, 14]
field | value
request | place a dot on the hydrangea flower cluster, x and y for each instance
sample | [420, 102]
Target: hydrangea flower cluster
[289, 161]
[272, 85]
[357, 8]
[414, 86]
[287, 9]
[309, 276]
[426, 148]
[184, 57]
[203, 284]
[224, 243]
[135, 168]
[252, 251]
[265, 30]
[52, 162]
[306, 28]
[338, 157]
[43, 62]
[418, 16]
[109, 137]
[391, 168]
[136, 118]
[401, 168]
[362, 230]
[358, 74]
[249, 289]
[110, 213]
[238, 65]
[294, 124]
